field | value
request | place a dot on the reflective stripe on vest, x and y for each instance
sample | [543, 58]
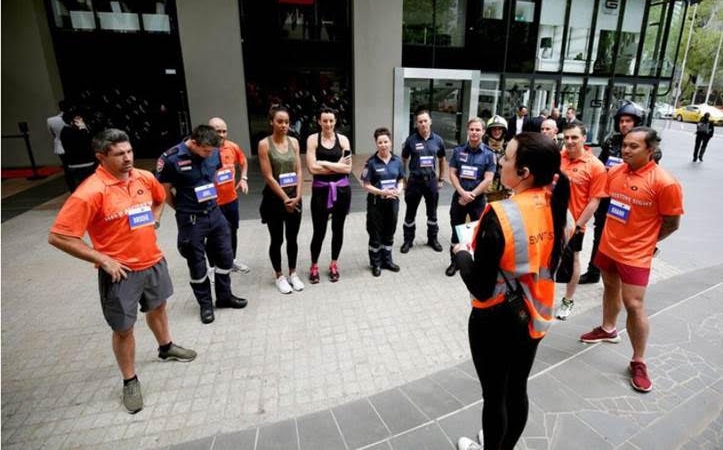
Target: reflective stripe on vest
[526, 222]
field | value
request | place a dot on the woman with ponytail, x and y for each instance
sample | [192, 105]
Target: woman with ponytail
[517, 247]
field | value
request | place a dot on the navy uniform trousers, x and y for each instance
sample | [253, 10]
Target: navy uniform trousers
[199, 234]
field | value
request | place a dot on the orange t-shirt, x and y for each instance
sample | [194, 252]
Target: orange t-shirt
[587, 180]
[231, 154]
[116, 215]
[638, 201]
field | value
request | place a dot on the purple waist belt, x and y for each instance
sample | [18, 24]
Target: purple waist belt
[332, 185]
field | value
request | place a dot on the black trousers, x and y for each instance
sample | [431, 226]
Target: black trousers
[415, 191]
[701, 142]
[381, 225]
[503, 353]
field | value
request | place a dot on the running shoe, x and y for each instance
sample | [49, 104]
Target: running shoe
[314, 274]
[295, 282]
[283, 285]
[565, 309]
[639, 376]
[333, 273]
[600, 335]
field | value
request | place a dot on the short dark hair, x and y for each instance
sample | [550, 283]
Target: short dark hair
[521, 107]
[327, 110]
[652, 138]
[205, 135]
[575, 124]
[103, 141]
[539, 154]
[421, 111]
[382, 131]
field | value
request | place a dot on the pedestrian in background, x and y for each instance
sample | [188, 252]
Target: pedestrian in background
[703, 133]
[383, 178]
[506, 264]
[280, 209]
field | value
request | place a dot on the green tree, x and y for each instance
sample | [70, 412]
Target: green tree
[707, 30]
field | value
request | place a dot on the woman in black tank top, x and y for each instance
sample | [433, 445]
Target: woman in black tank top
[328, 157]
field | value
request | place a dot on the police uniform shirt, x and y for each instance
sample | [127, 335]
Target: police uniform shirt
[471, 164]
[611, 151]
[383, 175]
[189, 174]
[423, 153]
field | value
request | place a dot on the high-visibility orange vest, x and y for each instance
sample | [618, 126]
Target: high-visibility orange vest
[527, 226]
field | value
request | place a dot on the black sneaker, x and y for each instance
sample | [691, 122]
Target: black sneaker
[589, 277]
[232, 302]
[434, 243]
[451, 270]
[207, 315]
[177, 353]
[406, 246]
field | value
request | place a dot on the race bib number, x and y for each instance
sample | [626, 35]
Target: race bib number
[469, 172]
[613, 161]
[288, 179]
[205, 193]
[140, 217]
[426, 161]
[619, 211]
[224, 176]
[389, 184]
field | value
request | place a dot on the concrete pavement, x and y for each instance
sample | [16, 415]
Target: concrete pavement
[362, 363]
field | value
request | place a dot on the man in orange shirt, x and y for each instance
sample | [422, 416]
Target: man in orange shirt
[587, 186]
[231, 156]
[120, 207]
[645, 207]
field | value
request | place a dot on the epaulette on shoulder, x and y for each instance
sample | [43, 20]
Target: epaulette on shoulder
[171, 151]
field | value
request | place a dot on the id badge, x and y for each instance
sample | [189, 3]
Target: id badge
[206, 192]
[426, 161]
[224, 176]
[619, 211]
[140, 217]
[469, 172]
[613, 161]
[388, 184]
[288, 179]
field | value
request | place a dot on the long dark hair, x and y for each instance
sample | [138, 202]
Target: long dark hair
[539, 154]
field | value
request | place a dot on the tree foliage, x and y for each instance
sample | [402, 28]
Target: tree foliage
[707, 30]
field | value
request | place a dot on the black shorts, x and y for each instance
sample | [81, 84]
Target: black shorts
[119, 301]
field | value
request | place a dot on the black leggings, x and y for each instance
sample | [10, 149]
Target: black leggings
[276, 231]
[320, 217]
[503, 353]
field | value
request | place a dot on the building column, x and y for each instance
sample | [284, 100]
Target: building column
[377, 37]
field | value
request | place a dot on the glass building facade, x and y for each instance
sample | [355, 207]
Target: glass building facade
[585, 54]
[157, 68]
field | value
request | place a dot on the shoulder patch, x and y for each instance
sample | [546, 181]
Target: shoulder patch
[160, 163]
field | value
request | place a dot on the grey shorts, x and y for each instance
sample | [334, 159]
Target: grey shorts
[150, 287]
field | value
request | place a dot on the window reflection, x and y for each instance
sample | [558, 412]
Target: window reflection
[578, 35]
[317, 20]
[117, 16]
[433, 22]
[550, 35]
[676, 26]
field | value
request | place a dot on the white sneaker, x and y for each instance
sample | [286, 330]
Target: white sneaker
[211, 272]
[240, 267]
[565, 309]
[296, 282]
[283, 285]
[467, 444]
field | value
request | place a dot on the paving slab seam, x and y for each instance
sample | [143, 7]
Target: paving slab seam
[542, 372]
[338, 429]
[622, 331]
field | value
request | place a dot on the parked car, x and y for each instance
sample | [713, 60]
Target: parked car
[693, 113]
[663, 111]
